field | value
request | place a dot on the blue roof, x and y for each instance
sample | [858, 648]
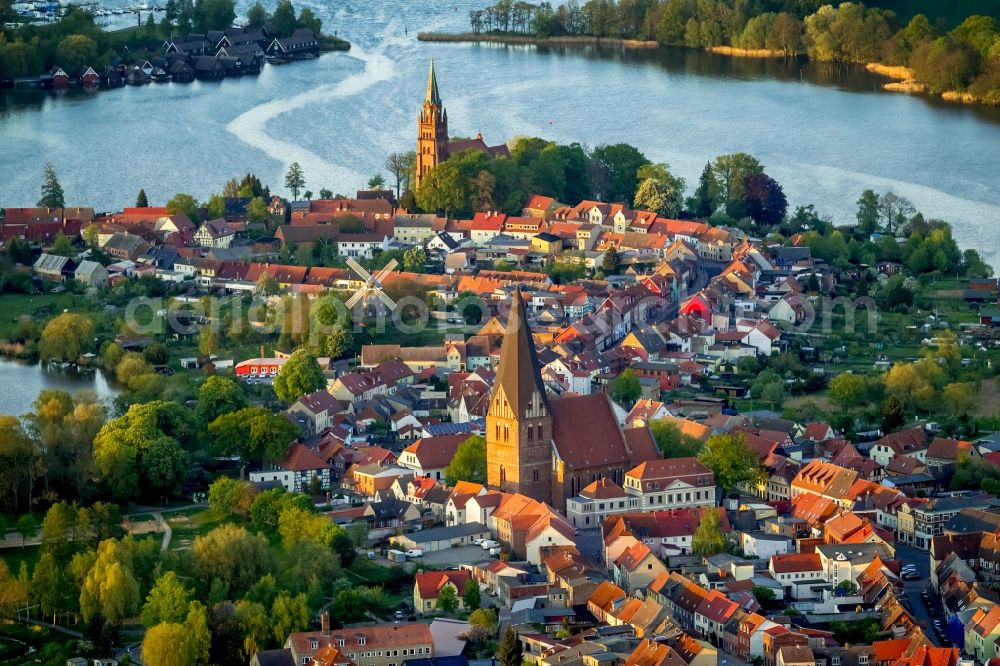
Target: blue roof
[475, 425]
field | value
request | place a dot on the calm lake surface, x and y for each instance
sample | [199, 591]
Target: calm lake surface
[22, 382]
[825, 133]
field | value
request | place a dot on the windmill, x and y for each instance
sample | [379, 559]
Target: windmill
[373, 284]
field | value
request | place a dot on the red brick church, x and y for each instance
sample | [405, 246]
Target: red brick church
[550, 448]
[433, 146]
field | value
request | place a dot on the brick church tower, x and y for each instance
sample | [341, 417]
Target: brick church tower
[432, 140]
[519, 422]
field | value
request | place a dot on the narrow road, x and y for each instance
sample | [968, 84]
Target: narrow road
[167, 532]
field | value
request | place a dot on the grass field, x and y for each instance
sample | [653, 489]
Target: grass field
[15, 306]
[192, 523]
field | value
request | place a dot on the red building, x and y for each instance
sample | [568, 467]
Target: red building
[259, 368]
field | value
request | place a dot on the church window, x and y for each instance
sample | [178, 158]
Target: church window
[503, 474]
[498, 430]
[506, 434]
[534, 474]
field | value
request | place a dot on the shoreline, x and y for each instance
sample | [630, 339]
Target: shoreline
[905, 82]
[528, 40]
[903, 77]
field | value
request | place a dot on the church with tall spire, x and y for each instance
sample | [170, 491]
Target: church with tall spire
[433, 145]
[432, 138]
[545, 447]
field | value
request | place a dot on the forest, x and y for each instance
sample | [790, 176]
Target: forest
[962, 58]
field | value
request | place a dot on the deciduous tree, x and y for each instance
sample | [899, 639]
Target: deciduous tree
[167, 601]
[447, 599]
[66, 337]
[708, 538]
[469, 463]
[299, 375]
[730, 460]
[626, 388]
[218, 396]
[659, 190]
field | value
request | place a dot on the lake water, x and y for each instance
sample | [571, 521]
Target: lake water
[22, 382]
[825, 133]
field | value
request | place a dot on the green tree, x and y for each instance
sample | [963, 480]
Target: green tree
[611, 261]
[414, 260]
[469, 463]
[299, 375]
[376, 182]
[472, 595]
[288, 615]
[256, 15]
[618, 166]
[253, 433]
[257, 210]
[184, 203]
[659, 190]
[510, 652]
[868, 212]
[763, 594]
[283, 24]
[708, 538]
[706, 196]
[485, 618]
[213, 15]
[50, 586]
[167, 601]
[625, 389]
[215, 206]
[847, 390]
[199, 634]
[959, 399]
[168, 644]
[143, 449]
[66, 337]
[730, 460]
[447, 599]
[52, 191]
[232, 555]
[63, 246]
[218, 396]
[339, 342]
[397, 166]
[443, 188]
[27, 527]
[671, 442]
[76, 52]
[224, 493]
[730, 173]
[294, 179]
[109, 588]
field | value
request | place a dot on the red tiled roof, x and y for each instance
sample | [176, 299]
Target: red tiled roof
[299, 458]
[430, 582]
[795, 562]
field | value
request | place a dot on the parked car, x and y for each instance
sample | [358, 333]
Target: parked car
[488, 544]
[415, 552]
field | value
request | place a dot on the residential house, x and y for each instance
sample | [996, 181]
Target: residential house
[298, 471]
[429, 585]
[636, 567]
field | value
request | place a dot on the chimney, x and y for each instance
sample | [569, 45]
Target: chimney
[324, 623]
